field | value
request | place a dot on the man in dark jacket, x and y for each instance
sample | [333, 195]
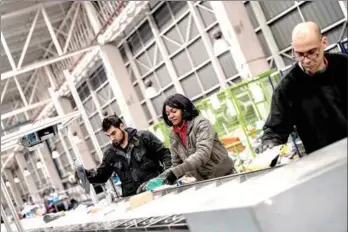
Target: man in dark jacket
[135, 156]
[312, 96]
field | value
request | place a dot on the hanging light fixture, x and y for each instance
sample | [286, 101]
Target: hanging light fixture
[8, 184]
[39, 164]
[76, 139]
[16, 179]
[150, 91]
[55, 154]
[26, 172]
[220, 45]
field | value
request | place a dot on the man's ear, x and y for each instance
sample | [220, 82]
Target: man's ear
[122, 126]
[325, 42]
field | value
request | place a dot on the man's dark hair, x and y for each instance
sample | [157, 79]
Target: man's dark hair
[178, 101]
[111, 120]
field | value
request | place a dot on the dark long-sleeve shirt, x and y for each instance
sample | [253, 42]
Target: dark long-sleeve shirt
[315, 104]
[139, 162]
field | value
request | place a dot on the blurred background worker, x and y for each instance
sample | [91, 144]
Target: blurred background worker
[312, 96]
[135, 156]
[195, 146]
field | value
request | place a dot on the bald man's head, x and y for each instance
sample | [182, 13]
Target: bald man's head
[306, 29]
[309, 45]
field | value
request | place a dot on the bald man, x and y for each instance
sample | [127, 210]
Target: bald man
[312, 96]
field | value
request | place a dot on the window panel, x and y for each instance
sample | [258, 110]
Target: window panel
[163, 76]
[112, 109]
[188, 83]
[287, 60]
[183, 26]
[207, 16]
[181, 63]
[154, 55]
[105, 94]
[134, 43]
[227, 64]
[251, 15]
[170, 91]
[123, 54]
[89, 106]
[83, 130]
[158, 104]
[274, 8]
[263, 43]
[323, 13]
[131, 73]
[198, 52]
[115, 108]
[95, 121]
[153, 80]
[102, 138]
[138, 92]
[89, 144]
[145, 33]
[283, 27]
[172, 40]
[162, 17]
[146, 111]
[98, 78]
[178, 8]
[333, 35]
[207, 76]
[142, 63]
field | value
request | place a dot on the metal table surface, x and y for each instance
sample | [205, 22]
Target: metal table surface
[307, 195]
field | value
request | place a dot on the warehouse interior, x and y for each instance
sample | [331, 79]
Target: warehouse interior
[74, 62]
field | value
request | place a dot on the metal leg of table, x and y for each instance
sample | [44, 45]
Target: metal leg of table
[5, 219]
[11, 206]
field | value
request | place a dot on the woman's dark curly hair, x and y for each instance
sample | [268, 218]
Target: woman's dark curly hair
[178, 101]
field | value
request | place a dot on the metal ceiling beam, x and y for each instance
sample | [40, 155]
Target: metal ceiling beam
[43, 63]
[4, 90]
[24, 109]
[28, 10]
[51, 31]
[46, 50]
[27, 41]
[39, 25]
[33, 90]
[19, 87]
[72, 26]
[8, 52]
[37, 42]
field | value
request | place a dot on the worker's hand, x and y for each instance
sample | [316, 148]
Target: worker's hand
[170, 178]
[267, 144]
[142, 188]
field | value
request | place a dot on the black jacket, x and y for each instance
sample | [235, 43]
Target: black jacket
[144, 158]
[316, 105]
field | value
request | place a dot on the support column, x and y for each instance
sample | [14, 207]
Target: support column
[82, 149]
[14, 191]
[238, 31]
[61, 137]
[92, 15]
[122, 87]
[33, 190]
[51, 170]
